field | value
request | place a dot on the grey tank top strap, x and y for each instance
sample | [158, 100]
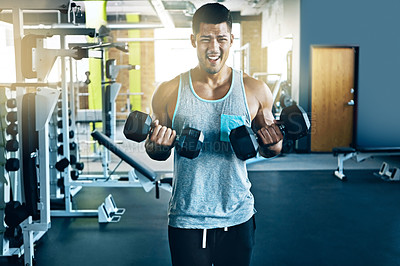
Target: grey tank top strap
[212, 190]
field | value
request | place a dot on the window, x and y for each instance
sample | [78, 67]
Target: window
[175, 54]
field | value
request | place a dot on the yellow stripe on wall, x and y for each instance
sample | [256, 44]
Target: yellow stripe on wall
[95, 17]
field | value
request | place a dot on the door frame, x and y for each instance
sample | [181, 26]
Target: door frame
[355, 95]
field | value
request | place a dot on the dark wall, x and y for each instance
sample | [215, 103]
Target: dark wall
[374, 27]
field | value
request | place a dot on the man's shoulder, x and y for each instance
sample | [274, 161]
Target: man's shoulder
[168, 87]
[165, 93]
[253, 85]
[170, 83]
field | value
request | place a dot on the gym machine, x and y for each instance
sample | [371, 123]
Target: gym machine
[32, 217]
[346, 153]
[65, 171]
[36, 110]
[22, 206]
[110, 94]
[70, 185]
[30, 128]
[72, 181]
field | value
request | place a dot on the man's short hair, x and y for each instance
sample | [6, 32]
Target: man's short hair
[211, 13]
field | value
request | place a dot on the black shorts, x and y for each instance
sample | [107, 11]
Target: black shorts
[216, 247]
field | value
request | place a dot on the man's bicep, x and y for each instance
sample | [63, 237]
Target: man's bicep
[264, 114]
[159, 106]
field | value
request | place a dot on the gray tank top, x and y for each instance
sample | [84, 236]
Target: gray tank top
[212, 190]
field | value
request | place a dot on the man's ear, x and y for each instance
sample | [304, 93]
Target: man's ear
[193, 40]
[232, 38]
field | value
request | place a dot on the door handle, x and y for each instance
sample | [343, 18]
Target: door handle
[350, 103]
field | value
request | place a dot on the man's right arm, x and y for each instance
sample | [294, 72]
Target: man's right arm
[160, 142]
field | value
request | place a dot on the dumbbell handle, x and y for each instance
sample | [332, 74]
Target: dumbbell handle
[151, 131]
[282, 127]
[185, 147]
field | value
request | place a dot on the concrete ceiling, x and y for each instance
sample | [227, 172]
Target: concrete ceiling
[180, 11]
[144, 7]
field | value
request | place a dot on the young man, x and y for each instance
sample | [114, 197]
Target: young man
[211, 211]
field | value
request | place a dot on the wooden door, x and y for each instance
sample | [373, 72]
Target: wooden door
[332, 86]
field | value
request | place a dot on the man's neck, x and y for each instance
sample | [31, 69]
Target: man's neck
[214, 80]
[211, 86]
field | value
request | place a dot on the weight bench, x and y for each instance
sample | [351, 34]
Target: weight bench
[346, 153]
[109, 144]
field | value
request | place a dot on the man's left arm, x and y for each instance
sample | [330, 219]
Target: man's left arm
[268, 133]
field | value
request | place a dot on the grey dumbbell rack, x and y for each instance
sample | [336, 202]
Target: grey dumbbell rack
[107, 178]
[6, 180]
[32, 229]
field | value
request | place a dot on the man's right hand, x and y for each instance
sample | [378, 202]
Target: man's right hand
[160, 142]
[162, 135]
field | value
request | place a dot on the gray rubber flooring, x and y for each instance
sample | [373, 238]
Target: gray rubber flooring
[304, 218]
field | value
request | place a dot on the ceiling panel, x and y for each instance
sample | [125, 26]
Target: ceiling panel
[144, 7]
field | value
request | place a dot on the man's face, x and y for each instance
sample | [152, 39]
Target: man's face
[213, 43]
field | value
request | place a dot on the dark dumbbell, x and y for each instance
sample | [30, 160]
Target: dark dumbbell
[79, 166]
[61, 136]
[60, 123]
[72, 146]
[294, 124]
[12, 129]
[87, 81]
[189, 143]
[72, 159]
[74, 175]
[14, 236]
[12, 117]
[12, 145]
[60, 182]
[139, 125]
[15, 213]
[59, 113]
[60, 149]
[12, 165]
[11, 103]
[62, 164]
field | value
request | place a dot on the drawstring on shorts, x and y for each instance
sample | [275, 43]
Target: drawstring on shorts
[204, 238]
[204, 243]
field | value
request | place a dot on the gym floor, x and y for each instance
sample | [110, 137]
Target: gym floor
[306, 216]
